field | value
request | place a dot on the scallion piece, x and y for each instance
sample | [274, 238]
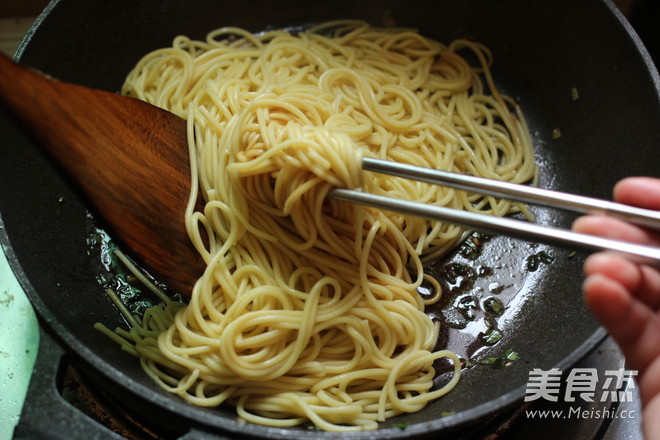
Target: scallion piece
[489, 360]
[574, 94]
[511, 355]
[493, 336]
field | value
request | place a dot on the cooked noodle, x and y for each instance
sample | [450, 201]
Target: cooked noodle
[308, 310]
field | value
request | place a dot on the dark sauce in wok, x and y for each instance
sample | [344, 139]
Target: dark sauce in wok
[485, 282]
[113, 275]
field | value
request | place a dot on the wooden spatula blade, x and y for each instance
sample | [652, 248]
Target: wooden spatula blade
[129, 158]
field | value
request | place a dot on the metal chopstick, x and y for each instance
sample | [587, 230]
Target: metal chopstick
[513, 191]
[507, 226]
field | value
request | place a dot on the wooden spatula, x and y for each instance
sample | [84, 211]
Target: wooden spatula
[129, 158]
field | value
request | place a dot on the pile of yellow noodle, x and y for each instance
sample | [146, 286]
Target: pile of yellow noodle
[308, 311]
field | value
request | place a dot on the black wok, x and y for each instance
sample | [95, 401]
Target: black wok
[543, 50]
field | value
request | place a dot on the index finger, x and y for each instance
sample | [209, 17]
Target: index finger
[643, 192]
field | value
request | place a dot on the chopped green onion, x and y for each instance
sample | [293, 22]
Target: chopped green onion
[493, 306]
[493, 336]
[511, 355]
[574, 94]
[489, 360]
[401, 425]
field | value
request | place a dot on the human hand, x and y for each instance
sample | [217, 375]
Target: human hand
[625, 296]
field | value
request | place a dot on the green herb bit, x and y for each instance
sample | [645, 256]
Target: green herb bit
[500, 362]
[493, 336]
[574, 94]
[401, 425]
[572, 254]
[470, 250]
[489, 361]
[493, 306]
[447, 413]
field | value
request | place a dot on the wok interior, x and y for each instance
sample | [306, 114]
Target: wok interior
[542, 51]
